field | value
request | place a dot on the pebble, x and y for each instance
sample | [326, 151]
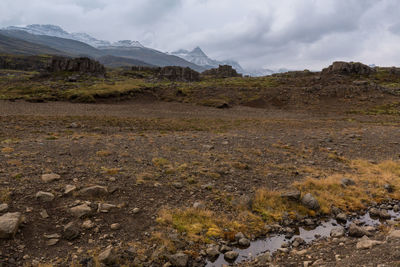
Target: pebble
[115, 226]
[44, 196]
[9, 224]
[88, 224]
[3, 207]
[50, 177]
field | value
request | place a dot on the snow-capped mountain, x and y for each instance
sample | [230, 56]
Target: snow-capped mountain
[198, 57]
[56, 31]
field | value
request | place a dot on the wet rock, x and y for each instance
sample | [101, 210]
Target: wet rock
[44, 196]
[239, 236]
[94, 191]
[374, 212]
[366, 243]
[50, 177]
[231, 255]
[337, 232]
[225, 248]
[107, 257]
[71, 231]
[384, 214]
[310, 202]
[179, 259]
[357, 231]
[212, 252]
[9, 224]
[244, 242]
[264, 258]
[293, 195]
[3, 207]
[347, 182]
[81, 210]
[69, 189]
[298, 241]
[389, 188]
[341, 217]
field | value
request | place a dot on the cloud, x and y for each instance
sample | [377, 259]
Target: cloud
[258, 33]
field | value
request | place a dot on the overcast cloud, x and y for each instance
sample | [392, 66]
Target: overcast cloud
[295, 34]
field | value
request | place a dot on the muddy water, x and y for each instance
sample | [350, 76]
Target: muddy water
[273, 243]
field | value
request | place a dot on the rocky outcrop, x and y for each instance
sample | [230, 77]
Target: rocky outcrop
[347, 68]
[175, 73]
[223, 71]
[83, 65]
[25, 63]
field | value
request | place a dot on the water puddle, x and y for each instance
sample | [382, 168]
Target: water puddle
[273, 243]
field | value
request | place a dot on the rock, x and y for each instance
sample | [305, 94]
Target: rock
[107, 257]
[366, 243]
[231, 255]
[50, 177]
[105, 207]
[115, 226]
[239, 236]
[179, 259]
[374, 212]
[223, 71]
[135, 210]
[212, 252]
[244, 242]
[178, 185]
[293, 195]
[94, 191]
[176, 73]
[44, 214]
[71, 231]
[347, 68]
[225, 248]
[341, 217]
[88, 224]
[81, 65]
[69, 189]
[264, 258]
[394, 234]
[396, 208]
[357, 231]
[44, 196]
[9, 224]
[389, 188]
[347, 182]
[310, 202]
[384, 214]
[3, 207]
[337, 232]
[52, 236]
[52, 242]
[81, 210]
[298, 241]
[198, 205]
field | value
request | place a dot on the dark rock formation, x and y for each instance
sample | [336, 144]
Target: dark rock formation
[82, 65]
[347, 68]
[223, 71]
[25, 63]
[175, 73]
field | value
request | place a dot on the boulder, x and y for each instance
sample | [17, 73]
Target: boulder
[179, 259]
[231, 255]
[310, 202]
[9, 224]
[81, 210]
[107, 257]
[357, 231]
[366, 243]
[348, 68]
[337, 232]
[71, 231]
[293, 195]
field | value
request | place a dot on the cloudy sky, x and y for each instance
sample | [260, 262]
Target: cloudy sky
[294, 34]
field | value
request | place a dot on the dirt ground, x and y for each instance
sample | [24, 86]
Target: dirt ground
[153, 155]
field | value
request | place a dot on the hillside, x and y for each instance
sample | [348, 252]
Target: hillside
[115, 62]
[10, 45]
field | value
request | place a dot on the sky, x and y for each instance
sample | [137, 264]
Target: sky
[293, 34]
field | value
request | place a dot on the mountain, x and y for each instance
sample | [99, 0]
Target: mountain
[57, 31]
[149, 56]
[198, 57]
[68, 46]
[10, 45]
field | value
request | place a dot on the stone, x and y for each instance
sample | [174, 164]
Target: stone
[88, 224]
[179, 259]
[50, 177]
[244, 242]
[69, 189]
[348, 68]
[176, 73]
[105, 207]
[341, 217]
[212, 252]
[298, 241]
[366, 243]
[178, 185]
[374, 212]
[115, 226]
[81, 210]
[394, 234]
[52, 242]
[107, 257]
[225, 248]
[44, 214]
[94, 191]
[135, 210]
[198, 205]
[44, 196]
[357, 231]
[9, 224]
[264, 258]
[231, 255]
[347, 182]
[389, 188]
[3, 207]
[396, 208]
[71, 231]
[337, 232]
[384, 214]
[239, 236]
[310, 202]
[81, 65]
[293, 195]
[52, 236]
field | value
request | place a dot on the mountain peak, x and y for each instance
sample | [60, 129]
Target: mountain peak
[198, 52]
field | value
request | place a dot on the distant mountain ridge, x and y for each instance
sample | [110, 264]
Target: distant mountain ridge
[198, 57]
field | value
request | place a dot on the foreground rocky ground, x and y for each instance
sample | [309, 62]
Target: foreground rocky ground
[106, 183]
